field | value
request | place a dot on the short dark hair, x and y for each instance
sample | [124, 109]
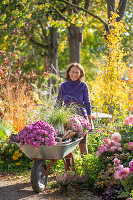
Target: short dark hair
[80, 67]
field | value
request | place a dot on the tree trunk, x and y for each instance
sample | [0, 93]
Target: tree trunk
[121, 8]
[53, 57]
[75, 35]
[53, 51]
[110, 7]
[74, 44]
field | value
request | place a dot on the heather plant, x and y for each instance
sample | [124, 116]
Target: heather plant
[78, 124]
[110, 91]
[70, 178]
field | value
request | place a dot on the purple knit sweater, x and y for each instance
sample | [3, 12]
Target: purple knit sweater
[75, 92]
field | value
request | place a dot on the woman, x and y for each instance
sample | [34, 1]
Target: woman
[75, 91]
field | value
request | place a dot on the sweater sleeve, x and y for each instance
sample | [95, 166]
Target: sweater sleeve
[86, 99]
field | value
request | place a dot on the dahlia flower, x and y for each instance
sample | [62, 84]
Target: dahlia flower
[116, 161]
[117, 175]
[130, 146]
[116, 137]
[129, 120]
[124, 172]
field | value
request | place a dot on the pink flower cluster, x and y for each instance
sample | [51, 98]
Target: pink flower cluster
[112, 144]
[79, 124]
[129, 199]
[122, 172]
[37, 134]
[130, 146]
[131, 166]
[65, 179]
[129, 120]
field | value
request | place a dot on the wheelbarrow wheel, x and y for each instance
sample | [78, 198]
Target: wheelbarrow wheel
[38, 181]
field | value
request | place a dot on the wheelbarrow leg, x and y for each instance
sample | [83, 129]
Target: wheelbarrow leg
[65, 164]
[73, 163]
[69, 156]
[51, 163]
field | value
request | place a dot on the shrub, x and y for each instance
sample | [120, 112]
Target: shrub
[11, 157]
[110, 91]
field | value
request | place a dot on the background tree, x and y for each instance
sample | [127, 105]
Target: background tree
[110, 91]
[27, 25]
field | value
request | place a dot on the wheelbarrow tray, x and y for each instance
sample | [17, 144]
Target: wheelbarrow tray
[56, 152]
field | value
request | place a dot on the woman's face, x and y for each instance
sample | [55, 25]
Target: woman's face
[74, 73]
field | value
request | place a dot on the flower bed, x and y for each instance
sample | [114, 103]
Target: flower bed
[116, 153]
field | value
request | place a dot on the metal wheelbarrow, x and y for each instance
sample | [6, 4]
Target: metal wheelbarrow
[39, 172]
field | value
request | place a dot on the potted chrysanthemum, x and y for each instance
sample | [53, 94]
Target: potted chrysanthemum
[37, 134]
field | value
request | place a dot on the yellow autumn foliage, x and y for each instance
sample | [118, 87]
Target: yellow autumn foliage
[110, 91]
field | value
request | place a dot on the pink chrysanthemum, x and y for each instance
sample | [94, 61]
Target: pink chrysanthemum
[119, 149]
[37, 134]
[118, 144]
[120, 167]
[78, 124]
[101, 149]
[108, 141]
[131, 170]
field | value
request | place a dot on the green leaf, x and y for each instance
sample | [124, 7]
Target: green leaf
[3, 17]
[5, 1]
